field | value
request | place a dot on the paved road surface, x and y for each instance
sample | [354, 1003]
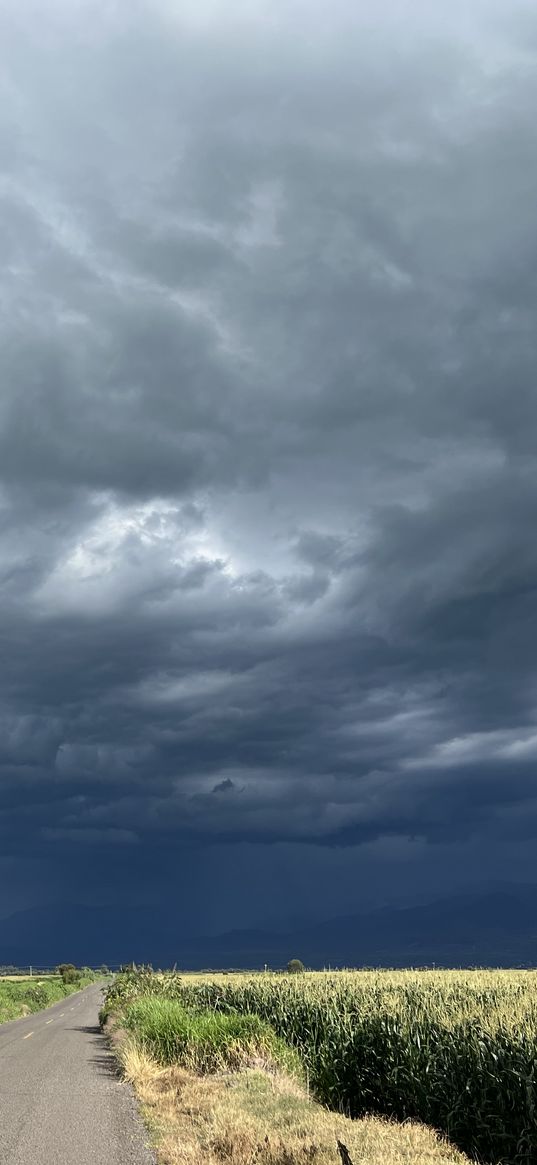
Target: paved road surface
[61, 1102]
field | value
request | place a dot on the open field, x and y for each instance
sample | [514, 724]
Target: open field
[26, 978]
[455, 1050]
[223, 1088]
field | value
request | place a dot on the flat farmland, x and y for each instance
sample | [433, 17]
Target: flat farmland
[454, 1049]
[26, 978]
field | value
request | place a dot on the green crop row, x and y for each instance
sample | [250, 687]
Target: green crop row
[456, 1050]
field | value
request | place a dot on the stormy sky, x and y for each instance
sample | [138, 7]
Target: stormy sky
[268, 424]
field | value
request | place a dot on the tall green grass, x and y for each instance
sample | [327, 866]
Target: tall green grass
[204, 1041]
[140, 984]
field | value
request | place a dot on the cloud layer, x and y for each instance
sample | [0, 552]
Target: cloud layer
[267, 445]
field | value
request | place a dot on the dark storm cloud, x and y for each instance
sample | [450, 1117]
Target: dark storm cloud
[267, 439]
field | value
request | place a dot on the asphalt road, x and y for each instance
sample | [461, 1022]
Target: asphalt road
[61, 1102]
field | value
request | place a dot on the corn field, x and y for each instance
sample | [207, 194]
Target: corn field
[456, 1050]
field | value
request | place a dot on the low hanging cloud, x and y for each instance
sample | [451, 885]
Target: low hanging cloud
[267, 427]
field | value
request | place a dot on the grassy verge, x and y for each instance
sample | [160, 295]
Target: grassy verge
[266, 1117]
[226, 1090]
[25, 996]
[205, 1041]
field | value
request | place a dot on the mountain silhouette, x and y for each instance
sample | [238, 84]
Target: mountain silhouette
[498, 928]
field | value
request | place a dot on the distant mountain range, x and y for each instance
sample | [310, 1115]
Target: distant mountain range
[487, 929]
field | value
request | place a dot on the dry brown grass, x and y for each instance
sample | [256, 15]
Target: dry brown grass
[256, 1118]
